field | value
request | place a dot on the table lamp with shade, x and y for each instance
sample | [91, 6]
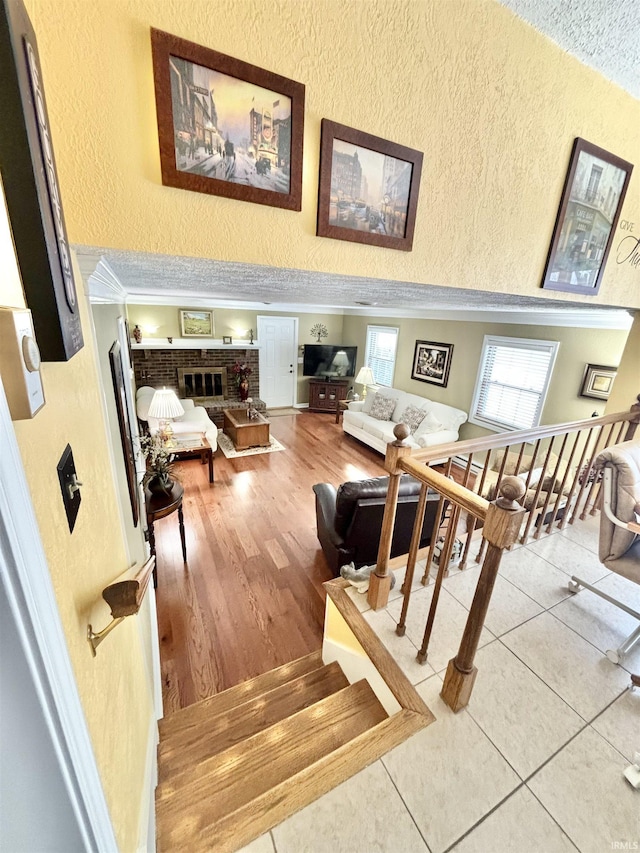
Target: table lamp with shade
[165, 406]
[364, 378]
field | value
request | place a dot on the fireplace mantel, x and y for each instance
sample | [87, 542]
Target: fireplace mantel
[192, 343]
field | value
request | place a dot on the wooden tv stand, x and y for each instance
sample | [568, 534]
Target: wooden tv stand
[325, 393]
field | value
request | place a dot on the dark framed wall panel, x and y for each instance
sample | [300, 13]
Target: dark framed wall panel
[31, 189]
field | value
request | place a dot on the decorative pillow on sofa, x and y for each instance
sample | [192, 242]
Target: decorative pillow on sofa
[412, 417]
[429, 424]
[382, 407]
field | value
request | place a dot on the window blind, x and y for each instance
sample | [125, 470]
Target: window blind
[512, 382]
[380, 353]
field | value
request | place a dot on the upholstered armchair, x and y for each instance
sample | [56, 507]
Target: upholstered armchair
[349, 519]
[619, 542]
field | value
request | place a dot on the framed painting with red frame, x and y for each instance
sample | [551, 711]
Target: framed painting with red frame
[227, 127]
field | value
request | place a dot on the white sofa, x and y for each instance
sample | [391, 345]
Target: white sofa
[439, 426]
[194, 420]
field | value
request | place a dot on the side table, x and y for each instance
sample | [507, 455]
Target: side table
[159, 505]
[341, 406]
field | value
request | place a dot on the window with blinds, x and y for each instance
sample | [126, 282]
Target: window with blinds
[512, 382]
[380, 353]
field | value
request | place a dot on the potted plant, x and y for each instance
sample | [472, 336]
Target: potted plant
[241, 373]
[158, 476]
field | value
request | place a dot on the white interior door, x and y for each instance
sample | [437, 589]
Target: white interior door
[277, 337]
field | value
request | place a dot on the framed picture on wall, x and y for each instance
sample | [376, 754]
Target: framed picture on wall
[227, 127]
[592, 198]
[117, 374]
[432, 362]
[196, 324]
[598, 381]
[368, 189]
[31, 190]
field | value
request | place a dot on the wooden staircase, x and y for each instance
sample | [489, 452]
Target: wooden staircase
[234, 765]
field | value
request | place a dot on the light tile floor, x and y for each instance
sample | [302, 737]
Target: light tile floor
[534, 764]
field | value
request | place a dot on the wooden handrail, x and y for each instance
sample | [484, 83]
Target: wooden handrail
[124, 597]
[493, 442]
[459, 495]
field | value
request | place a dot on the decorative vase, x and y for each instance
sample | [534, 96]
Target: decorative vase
[243, 389]
[160, 484]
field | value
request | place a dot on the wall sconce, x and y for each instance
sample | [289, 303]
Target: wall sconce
[149, 330]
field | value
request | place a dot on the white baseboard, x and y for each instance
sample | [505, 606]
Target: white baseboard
[147, 826]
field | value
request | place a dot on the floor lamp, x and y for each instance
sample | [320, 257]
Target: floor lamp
[364, 378]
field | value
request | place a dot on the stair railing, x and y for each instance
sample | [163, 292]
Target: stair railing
[542, 477]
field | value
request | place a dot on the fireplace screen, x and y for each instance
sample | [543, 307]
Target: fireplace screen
[203, 383]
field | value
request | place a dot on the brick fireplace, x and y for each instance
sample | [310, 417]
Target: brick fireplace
[205, 375]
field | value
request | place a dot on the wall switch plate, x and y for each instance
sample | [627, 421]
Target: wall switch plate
[69, 486]
[20, 363]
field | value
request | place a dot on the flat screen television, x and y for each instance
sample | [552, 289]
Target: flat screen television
[329, 362]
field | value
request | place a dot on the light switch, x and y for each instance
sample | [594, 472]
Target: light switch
[69, 486]
[20, 363]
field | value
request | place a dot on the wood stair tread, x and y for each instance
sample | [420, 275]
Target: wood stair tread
[217, 787]
[202, 739]
[238, 694]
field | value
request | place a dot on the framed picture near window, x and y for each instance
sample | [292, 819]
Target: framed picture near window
[227, 339]
[432, 362]
[196, 324]
[227, 127]
[598, 381]
[368, 189]
[590, 206]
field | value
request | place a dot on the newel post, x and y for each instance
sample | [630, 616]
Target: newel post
[501, 528]
[633, 425]
[380, 581]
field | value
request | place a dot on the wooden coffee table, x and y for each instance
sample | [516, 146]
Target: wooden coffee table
[196, 445]
[244, 431]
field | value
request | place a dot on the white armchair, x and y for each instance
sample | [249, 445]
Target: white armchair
[195, 418]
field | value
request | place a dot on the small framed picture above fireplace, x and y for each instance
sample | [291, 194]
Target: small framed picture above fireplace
[196, 324]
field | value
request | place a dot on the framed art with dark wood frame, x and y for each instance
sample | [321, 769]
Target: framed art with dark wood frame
[590, 206]
[598, 381]
[368, 189]
[31, 190]
[432, 362]
[117, 374]
[227, 127]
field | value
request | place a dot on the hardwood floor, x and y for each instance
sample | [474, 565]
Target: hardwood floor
[250, 597]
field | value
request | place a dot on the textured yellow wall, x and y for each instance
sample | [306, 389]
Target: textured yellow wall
[113, 687]
[493, 105]
[578, 347]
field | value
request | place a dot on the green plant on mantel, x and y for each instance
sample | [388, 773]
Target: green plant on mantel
[320, 330]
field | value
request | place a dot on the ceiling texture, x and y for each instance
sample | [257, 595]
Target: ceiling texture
[602, 34]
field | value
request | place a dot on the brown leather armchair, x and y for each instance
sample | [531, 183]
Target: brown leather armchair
[349, 519]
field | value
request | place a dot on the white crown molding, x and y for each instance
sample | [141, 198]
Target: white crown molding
[587, 319]
[176, 300]
[105, 286]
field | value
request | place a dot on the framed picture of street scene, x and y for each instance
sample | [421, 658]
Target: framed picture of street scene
[368, 189]
[432, 362]
[227, 127]
[590, 206]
